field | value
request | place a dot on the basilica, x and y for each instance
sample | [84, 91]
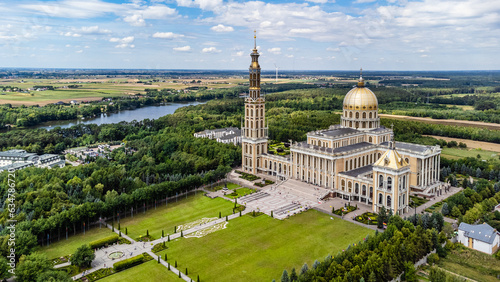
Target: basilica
[357, 160]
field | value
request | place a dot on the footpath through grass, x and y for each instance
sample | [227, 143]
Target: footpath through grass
[472, 264]
[65, 247]
[150, 271]
[260, 248]
[166, 218]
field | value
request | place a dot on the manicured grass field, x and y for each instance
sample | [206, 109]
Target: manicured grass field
[241, 192]
[175, 214]
[472, 264]
[66, 247]
[149, 271]
[455, 153]
[260, 248]
[230, 186]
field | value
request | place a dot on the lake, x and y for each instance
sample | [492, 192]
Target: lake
[150, 112]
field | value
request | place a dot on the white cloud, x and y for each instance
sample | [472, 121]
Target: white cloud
[320, 1]
[364, 1]
[135, 20]
[75, 8]
[123, 42]
[331, 49]
[222, 28]
[210, 50]
[202, 4]
[275, 50]
[93, 30]
[239, 54]
[79, 51]
[183, 48]
[156, 12]
[71, 34]
[167, 35]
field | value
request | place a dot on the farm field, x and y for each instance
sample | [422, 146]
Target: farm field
[456, 153]
[149, 271]
[486, 125]
[166, 218]
[65, 247]
[488, 146]
[260, 248]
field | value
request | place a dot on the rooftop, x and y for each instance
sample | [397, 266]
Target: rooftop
[16, 165]
[409, 146]
[16, 153]
[359, 171]
[347, 148]
[481, 232]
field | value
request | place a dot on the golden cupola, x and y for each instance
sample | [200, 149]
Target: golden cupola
[360, 109]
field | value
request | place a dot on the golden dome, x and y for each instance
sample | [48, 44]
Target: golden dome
[255, 65]
[360, 98]
[391, 159]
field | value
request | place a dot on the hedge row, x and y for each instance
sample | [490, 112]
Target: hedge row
[124, 264]
[104, 241]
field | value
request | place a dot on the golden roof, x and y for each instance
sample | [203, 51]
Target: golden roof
[255, 65]
[360, 98]
[391, 159]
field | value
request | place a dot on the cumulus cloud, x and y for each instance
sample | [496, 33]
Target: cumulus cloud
[183, 48]
[167, 35]
[275, 50]
[70, 34]
[222, 28]
[123, 42]
[239, 54]
[202, 4]
[93, 30]
[211, 50]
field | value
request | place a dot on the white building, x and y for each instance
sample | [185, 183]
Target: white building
[19, 159]
[481, 237]
[222, 135]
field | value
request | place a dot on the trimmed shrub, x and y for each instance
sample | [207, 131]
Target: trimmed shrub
[124, 264]
[104, 241]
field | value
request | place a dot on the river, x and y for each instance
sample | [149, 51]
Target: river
[150, 112]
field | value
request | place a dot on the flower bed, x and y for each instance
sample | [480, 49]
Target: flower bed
[159, 247]
[345, 210]
[247, 176]
[368, 218]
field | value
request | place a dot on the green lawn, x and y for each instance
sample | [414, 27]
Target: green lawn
[240, 192]
[175, 214]
[456, 153]
[260, 248]
[230, 186]
[472, 264]
[149, 271]
[66, 247]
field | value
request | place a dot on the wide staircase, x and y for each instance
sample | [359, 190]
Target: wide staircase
[253, 197]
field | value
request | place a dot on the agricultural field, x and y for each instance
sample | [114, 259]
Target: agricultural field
[457, 153]
[260, 248]
[65, 247]
[176, 213]
[471, 144]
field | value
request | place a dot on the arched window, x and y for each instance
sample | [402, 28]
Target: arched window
[346, 165]
[265, 164]
[363, 190]
[364, 115]
[380, 199]
[350, 124]
[350, 167]
[350, 114]
[363, 124]
[357, 124]
[343, 185]
[357, 115]
[349, 185]
[407, 160]
[379, 154]
[356, 188]
[389, 183]
[370, 115]
[399, 184]
[380, 181]
[404, 181]
[355, 163]
[371, 192]
[389, 203]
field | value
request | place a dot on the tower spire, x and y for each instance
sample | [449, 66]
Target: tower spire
[361, 81]
[255, 40]
[393, 143]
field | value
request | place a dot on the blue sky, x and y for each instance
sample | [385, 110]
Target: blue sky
[218, 34]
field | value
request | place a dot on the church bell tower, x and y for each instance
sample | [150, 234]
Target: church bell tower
[254, 130]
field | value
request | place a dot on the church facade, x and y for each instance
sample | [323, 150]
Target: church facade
[357, 160]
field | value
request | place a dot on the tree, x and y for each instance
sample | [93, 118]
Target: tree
[284, 276]
[437, 275]
[83, 256]
[445, 210]
[54, 276]
[31, 266]
[293, 275]
[381, 218]
[4, 268]
[304, 269]
[455, 212]
[410, 273]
